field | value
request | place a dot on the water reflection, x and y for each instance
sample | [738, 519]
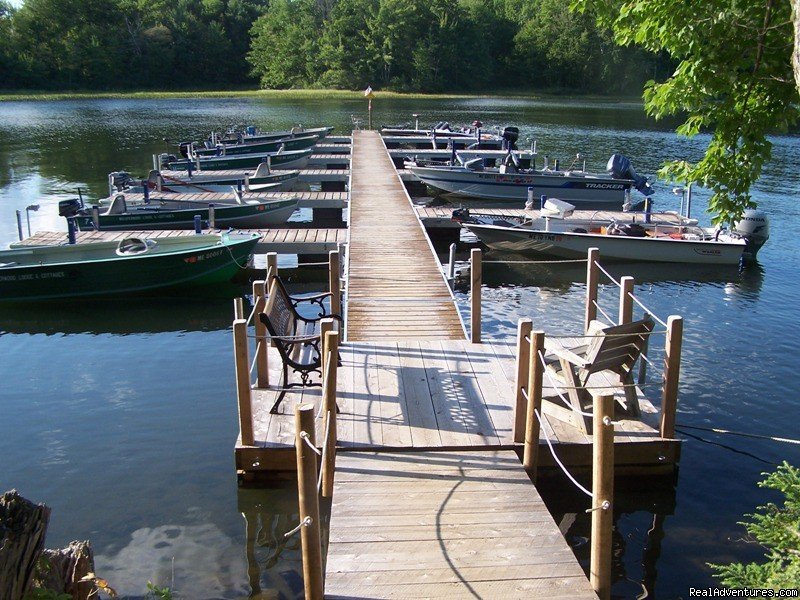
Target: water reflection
[122, 316]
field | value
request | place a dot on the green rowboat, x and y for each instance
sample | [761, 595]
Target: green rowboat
[132, 265]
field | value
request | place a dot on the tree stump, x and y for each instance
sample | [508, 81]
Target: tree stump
[23, 526]
[62, 570]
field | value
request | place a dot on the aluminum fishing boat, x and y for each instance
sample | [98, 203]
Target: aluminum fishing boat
[644, 237]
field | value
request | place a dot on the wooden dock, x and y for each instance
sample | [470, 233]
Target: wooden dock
[429, 498]
[282, 240]
[438, 395]
[395, 287]
[444, 525]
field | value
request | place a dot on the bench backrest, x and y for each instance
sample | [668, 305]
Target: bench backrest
[616, 348]
[279, 312]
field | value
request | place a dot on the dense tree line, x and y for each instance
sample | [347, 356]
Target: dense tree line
[404, 45]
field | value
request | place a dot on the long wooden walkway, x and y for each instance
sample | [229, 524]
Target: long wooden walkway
[395, 289]
[444, 525]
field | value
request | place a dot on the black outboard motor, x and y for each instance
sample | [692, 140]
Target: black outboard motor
[510, 136]
[183, 149]
[620, 167]
[69, 208]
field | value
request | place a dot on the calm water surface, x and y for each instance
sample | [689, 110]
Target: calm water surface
[121, 414]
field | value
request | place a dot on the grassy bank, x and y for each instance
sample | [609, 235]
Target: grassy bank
[303, 94]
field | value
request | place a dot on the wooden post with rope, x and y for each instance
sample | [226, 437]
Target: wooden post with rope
[310, 536]
[476, 275]
[592, 278]
[602, 495]
[243, 391]
[524, 327]
[325, 325]
[625, 300]
[330, 348]
[262, 343]
[672, 369]
[532, 425]
[334, 282]
[272, 266]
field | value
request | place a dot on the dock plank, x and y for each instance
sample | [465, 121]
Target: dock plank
[422, 535]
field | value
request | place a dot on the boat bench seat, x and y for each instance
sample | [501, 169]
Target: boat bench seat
[296, 337]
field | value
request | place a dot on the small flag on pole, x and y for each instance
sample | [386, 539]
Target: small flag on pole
[368, 92]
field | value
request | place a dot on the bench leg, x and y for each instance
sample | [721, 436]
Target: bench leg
[284, 384]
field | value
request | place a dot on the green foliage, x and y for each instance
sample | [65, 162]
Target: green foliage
[777, 529]
[40, 594]
[733, 78]
[155, 592]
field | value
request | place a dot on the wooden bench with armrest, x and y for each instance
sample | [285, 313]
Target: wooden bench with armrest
[296, 337]
[605, 359]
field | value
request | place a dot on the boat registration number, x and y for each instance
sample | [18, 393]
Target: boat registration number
[202, 257]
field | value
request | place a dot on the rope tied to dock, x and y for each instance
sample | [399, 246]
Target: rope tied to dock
[607, 274]
[647, 310]
[304, 523]
[602, 312]
[742, 434]
[558, 460]
[534, 262]
[255, 358]
[307, 439]
[324, 454]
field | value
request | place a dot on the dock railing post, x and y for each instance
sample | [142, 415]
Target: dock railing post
[272, 266]
[602, 495]
[524, 327]
[672, 369]
[243, 392]
[643, 355]
[476, 276]
[310, 536]
[625, 300]
[331, 351]
[532, 426]
[335, 282]
[592, 277]
[325, 325]
[451, 263]
[262, 343]
[238, 308]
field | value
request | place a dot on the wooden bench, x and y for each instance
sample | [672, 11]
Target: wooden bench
[605, 359]
[296, 338]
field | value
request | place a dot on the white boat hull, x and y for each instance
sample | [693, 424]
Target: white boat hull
[577, 189]
[612, 247]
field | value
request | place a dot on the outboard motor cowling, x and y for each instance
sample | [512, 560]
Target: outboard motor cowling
[619, 167]
[753, 227]
[69, 208]
[118, 181]
[510, 136]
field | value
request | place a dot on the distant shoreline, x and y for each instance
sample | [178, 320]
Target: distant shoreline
[291, 94]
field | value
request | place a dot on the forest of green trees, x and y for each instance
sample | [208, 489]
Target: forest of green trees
[402, 45]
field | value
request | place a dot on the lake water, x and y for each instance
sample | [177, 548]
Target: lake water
[121, 414]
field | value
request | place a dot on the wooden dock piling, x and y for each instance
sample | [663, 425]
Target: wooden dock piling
[625, 300]
[672, 368]
[243, 391]
[330, 349]
[311, 538]
[524, 327]
[532, 425]
[602, 495]
[476, 276]
[592, 279]
[262, 364]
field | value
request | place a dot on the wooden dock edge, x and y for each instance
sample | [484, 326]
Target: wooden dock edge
[651, 457]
